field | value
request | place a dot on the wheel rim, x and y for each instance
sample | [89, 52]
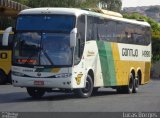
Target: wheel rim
[131, 84]
[136, 83]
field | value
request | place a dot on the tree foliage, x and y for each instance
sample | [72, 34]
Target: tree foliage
[25, 2]
[113, 5]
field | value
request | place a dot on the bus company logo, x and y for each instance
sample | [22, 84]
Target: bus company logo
[90, 53]
[39, 74]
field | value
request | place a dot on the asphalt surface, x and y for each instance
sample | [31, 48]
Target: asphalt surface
[15, 99]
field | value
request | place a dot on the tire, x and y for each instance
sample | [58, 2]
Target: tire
[120, 89]
[127, 89]
[9, 78]
[95, 91]
[3, 77]
[136, 85]
[87, 91]
[36, 93]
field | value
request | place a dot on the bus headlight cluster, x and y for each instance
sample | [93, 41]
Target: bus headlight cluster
[63, 75]
[18, 74]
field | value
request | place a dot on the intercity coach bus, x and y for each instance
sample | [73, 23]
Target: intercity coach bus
[79, 50]
[5, 55]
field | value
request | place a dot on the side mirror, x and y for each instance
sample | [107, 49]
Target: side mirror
[73, 36]
[6, 36]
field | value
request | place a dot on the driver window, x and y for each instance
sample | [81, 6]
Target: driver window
[80, 39]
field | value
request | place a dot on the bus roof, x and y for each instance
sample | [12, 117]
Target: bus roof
[70, 11]
[77, 12]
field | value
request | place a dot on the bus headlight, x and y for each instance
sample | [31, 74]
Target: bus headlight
[63, 75]
[18, 74]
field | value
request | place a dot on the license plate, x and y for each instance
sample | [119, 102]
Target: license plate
[40, 83]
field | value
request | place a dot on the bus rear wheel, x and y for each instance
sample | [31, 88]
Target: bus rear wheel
[3, 77]
[35, 93]
[136, 85]
[128, 88]
[87, 91]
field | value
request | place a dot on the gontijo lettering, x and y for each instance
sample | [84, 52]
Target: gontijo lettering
[130, 52]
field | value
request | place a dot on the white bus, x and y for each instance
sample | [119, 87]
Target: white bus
[79, 50]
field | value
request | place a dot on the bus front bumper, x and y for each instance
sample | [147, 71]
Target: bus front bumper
[42, 82]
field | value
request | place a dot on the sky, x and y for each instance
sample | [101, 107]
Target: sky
[135, 3]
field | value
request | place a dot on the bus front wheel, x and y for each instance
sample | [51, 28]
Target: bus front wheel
[87, 91]
[36, 93]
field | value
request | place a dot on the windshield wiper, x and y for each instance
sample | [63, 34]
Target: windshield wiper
[44, 52]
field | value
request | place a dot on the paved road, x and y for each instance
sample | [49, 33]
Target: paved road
[147, 100]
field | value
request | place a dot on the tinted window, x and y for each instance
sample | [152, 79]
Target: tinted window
[80, 39]
[56, 23]
[117, 31]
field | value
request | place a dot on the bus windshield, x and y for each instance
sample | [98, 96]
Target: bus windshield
[54, 23]
[42, 49]
[43, 40]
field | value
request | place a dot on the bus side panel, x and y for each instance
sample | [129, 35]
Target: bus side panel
[146, 77]
[5, 60]
[123, 66]
[119, 67]
[107, 63]
[92, 61]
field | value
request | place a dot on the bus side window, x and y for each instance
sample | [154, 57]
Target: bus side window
[80, 39]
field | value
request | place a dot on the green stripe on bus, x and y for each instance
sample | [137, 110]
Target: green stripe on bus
[107, 63]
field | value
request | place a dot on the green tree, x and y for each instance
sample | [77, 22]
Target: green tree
[113, 5]
[25, 2]
[89, 4]
[52, 3]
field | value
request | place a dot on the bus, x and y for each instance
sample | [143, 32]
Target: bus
[79, 50]
[5, 55]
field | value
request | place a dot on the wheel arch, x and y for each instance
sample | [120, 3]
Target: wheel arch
[91, 73]
[1, 70]
[139, 74]
[132, 71]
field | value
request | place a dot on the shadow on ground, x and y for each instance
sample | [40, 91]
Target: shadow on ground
[24, 97]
